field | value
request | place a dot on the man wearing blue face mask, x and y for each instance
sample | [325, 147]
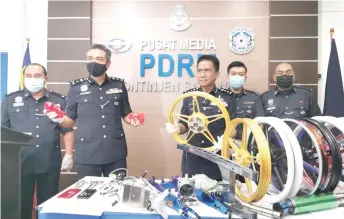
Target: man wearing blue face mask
[247, 103]
[40, 162]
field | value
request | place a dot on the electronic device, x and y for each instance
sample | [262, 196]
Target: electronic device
[86, 194]
[69, 193]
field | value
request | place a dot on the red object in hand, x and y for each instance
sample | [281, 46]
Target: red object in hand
[50, 107]
[139, 116]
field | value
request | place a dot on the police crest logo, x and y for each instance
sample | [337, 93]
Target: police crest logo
[84, 88]
[118, 45]
[18, 101]
[179, 19]
[241, 40]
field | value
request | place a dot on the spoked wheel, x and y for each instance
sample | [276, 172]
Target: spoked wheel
[198, 122]
[314, 162]
[336, 126]
[286, 158]
[260, 154]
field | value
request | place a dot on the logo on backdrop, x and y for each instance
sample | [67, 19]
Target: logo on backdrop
[241, 40]
[118, 45]
[179, 19]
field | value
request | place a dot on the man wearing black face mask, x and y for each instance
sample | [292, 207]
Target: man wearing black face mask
[98, 103]
[287, 100]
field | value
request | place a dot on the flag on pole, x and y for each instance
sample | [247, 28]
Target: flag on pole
[26, 62]
[334, 93]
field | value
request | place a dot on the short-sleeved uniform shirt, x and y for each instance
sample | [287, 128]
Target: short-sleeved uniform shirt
[98, 111]
[298, 102]
[247, 104]
[193, 164]
[21, 112]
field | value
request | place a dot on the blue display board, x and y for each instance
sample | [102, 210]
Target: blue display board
[4, 72]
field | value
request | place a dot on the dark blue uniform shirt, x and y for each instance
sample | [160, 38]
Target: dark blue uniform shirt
[298, 102]
[98, 109]
[193, 164]
[21, 112]
[247, 104]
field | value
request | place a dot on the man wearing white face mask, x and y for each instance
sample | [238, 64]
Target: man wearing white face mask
[41, 162]
[247, 103]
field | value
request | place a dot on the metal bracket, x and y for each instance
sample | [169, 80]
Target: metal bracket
[233, 168]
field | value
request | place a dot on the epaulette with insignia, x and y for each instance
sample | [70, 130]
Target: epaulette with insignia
[78, 81]
[57, 94]
[14, 92]
[309, 89]
[116, 79]
[190, 90]
[226, 91]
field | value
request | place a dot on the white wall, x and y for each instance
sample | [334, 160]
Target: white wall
[331, 15]
[21, 19]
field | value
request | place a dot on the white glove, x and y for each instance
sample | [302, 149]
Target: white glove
[218, 144]
[52, 116]
[170, 128]
[67, 162]
[203, 182]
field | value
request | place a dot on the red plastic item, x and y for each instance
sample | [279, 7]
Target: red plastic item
[50, 107]
[139, 116]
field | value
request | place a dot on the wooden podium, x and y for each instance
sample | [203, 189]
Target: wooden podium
[11, 142]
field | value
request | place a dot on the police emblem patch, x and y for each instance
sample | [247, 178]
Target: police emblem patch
[241, 40]
[18, 99]
[84, 88]
[118, 45]
[179, 19]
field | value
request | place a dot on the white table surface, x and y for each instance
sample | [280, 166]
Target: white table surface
[97, 204]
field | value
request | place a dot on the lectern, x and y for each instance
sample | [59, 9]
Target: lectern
[11, 142]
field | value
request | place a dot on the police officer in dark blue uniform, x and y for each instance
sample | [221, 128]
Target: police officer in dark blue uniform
[207, 73]
[287, 100]
[98, 103]
[40, 162]
[247, 103]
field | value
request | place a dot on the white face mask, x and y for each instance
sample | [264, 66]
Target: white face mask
[34, 84]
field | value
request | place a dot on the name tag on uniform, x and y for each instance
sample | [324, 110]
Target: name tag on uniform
[271, 108]
[18, 104]
[114, 91]
[84, 93]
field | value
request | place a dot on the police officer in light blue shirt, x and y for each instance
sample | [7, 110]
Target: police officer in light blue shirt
[98, 103]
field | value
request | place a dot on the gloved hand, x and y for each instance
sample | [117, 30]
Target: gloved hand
[170, 128]
[218, 144]
[203, 182]
[54, 112]
[67, 163]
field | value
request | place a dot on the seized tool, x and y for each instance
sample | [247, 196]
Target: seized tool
[162, 196]
[139, 116]
[308, 204]
[51, 107]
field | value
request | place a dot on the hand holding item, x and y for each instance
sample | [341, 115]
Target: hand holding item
[218, 144]
[136, 119]
[67, 163]
[170, 128]
[54, 112]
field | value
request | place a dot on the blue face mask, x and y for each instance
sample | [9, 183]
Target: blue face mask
[236, 82]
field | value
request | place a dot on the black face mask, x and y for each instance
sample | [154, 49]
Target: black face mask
[285, 81]
[96, 69]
